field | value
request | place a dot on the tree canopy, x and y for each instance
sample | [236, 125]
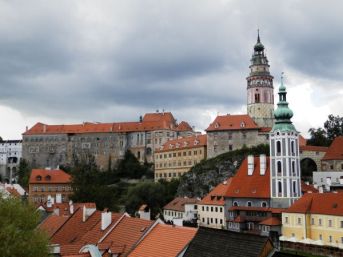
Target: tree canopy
[18, 233]
[333, 127]
[24, 172]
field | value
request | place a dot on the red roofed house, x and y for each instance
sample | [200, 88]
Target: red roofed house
[211, 209]
[177, 156]
[316, 219]
[181, 209]
[333, 159]
[52, 145]
[52, 185]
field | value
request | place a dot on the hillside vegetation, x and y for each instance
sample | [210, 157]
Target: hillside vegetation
[209, 173]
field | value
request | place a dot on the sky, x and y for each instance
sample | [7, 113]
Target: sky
[68, 61]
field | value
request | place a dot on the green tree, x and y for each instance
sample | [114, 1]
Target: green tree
[130, 167]
[18, 233]
[24, 172]
[88, 186]
[318, 137]
[334, 127]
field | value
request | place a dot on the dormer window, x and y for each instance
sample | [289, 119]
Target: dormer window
[216, 125]
[242, 124]
[48, 177]
[39, 178]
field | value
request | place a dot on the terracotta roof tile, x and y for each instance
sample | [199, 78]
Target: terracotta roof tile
[317, 203]
[271, 221]
[178, 204]
[313, 148]
[13, 192]
[184, 126]
[74, 228]
[308, 188]
[164, 240]
[254, 186]
[184, 143]
[127, 232]
[232, 122]
[42, 176]
[335, 151]
[52, 223]
[216, 195]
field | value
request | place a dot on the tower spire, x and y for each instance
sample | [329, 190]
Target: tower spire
[258, 36]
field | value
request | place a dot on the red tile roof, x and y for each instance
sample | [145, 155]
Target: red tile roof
[75, 228]
[271, 221]
[308, 188]
[13, 192]
[127, 232]
[41, 176]
[164, 240]
[178, 204]
[313, 148]
[335, 151]
[151, 121]
[52, 223]
[265, 129]
[254, 186]
[216, 195]
[232, 122]
[317, 203]
[184, 143]
[302, 141]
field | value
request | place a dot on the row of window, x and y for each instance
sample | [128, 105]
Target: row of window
[249, 204]
[173, 164]
[51, 188]
[211, 221]
[313, 222]
[174, 214]
[179, 154]
[43, 198]
[216, 148]
[212, 208]
[168, 175]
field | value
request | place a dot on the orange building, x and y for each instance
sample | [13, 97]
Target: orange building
[53, 184]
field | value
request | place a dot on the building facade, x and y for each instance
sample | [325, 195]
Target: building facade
[49, 186]
[178, 156]
[181, 209]
[260, 91]
[53, 145]
[10, 155]
[333, 159]
[285, 177]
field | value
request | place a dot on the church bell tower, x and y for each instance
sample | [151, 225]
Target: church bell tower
[260, 90]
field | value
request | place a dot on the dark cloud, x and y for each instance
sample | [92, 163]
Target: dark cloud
[72, 60]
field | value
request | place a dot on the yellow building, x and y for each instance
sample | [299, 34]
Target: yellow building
[177, 156]
[316, 218]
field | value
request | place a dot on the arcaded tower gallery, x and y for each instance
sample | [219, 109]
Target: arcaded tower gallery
[260, 90]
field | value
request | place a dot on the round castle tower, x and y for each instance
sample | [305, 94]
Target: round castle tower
[260, 90]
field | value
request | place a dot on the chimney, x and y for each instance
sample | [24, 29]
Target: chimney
[58, 198]
[71, 207]
[86, 212]
[250, 164]
[263, 164]
[321, 190]
[106, 219]
[44, 128]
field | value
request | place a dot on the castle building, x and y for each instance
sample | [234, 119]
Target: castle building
[260, 91]
[53, 145]
[285, 177]
[231, 132]
[178, 156]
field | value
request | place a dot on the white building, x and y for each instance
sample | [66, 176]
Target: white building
[10, 155]
[181, 209]
[328, 180]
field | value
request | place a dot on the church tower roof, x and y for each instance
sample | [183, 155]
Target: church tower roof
[283, 113]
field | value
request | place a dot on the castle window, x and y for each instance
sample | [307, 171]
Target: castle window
[257, 98]
[292, 148]
[264, 204]
[294, 187]
[249, 204]
[279, 188]
[235, 204]
[293, 168]
[279, 167]
[278, 147]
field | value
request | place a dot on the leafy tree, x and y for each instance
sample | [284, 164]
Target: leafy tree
[24, 172]
[88, 187]
[318, 137]
[130, 167]
[18, 233]
[334, 127]
[149, 193]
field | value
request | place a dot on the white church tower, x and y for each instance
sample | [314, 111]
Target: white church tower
[285, 176]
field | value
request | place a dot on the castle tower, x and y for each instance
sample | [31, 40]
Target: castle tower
[260, 90]
[285, 176]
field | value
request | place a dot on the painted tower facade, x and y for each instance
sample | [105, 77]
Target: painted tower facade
[284, 156]
[260, 90]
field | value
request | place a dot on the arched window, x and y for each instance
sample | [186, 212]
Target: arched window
[279, 185]
[264, 204]
[278, 147]
[293, 168]
[295, 187]
[279, 169]
[292, 148]
[235, 203]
